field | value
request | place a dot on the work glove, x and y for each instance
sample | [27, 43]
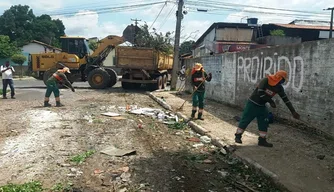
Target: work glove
[273, 105]
[296, 115]
[73, 89]
[210, 75]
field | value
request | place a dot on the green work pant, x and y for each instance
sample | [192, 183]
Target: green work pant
[198, 99]
[51, 86]
[250, 112]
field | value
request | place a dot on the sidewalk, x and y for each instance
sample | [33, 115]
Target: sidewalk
[295, 157]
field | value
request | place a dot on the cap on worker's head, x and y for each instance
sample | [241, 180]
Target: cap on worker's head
[66, 70]
[198, 66]
[277, 77]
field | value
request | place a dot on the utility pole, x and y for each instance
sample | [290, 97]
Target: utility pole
[179, 16]
[135, 34]
[331, 24]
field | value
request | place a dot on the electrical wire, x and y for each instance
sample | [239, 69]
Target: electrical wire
[94, 5]
[158, 15]
[109, 9]
[251, 6]
[167, 17]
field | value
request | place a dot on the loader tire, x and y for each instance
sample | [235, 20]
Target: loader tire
[113, 76]
[99, 78]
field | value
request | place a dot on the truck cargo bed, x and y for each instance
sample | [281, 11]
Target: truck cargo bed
[142, 58]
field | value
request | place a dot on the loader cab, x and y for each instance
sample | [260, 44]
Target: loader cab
[75, 45]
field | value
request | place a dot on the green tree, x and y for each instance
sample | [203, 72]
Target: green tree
[17, 23]
[7, 49]
[277, 32]
[155, 40]
[186, 47]
[22, 26]
[19, 59]
[47, 30]
[93, 45]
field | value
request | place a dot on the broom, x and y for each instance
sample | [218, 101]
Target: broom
[181, 108]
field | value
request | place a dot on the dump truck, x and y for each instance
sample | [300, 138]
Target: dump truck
[76, 56]
[143, 66]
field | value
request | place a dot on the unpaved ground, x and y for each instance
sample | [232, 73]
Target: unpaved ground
[302, 161]
[38, 143]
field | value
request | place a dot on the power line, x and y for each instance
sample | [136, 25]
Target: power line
[167, 17]
[219, 8]
[250, 6]
[108, 9]
[96, 5]
[158, 15]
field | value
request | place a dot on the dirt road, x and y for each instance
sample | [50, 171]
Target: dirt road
[61, 148]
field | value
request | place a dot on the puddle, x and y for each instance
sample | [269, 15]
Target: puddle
[31, 147]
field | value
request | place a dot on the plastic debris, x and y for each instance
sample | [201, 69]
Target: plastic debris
[111, 114]
[205, 139]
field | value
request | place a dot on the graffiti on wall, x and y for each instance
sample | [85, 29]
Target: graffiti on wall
[252, 69]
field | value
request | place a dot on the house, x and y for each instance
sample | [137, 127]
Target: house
[228, 37]
[39, 47]
[305, 32]
[31, 48]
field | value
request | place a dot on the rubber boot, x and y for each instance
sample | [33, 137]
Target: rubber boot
[58, 104]
[238, 138]
[263, 142]
[200, 116]
[193, 112]
[47, 104]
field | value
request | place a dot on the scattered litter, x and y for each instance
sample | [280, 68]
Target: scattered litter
[65, 165]
[205, 139]
[140, 126]
[178, 133]
[118, 118]
[124, 169]
[223, 151]
[113, 151]
[125, 177]
[110, 114]
[207, 161]
[223, 173]
[98, 171]
[198, 145]
[194, 139]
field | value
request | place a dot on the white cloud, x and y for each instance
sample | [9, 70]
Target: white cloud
[45, 5]
[86, 24]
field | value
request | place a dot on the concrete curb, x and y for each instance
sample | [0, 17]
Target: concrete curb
[218, 142]
[160, 101]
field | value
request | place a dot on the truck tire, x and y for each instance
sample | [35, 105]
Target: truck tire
[99, 78]
[157, 85]
[127, 85]
[164, 81]
[113, 76]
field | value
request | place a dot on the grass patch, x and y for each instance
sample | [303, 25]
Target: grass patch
[78, 159]
[61, 188]
[2, 91]
[178, 125]
[33, 186]
[97, 121]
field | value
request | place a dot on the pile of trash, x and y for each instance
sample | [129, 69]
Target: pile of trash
[162, 116]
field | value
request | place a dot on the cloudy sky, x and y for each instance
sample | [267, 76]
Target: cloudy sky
[110, 17]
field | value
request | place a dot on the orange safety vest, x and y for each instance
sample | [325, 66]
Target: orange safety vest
[57, 77]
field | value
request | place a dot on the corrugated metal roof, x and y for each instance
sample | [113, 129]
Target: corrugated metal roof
[327, 28]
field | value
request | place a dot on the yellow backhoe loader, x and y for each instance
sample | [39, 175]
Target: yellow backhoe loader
[83, 65]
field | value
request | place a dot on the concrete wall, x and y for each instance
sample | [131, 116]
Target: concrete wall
[311, 79]
[276, 40]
